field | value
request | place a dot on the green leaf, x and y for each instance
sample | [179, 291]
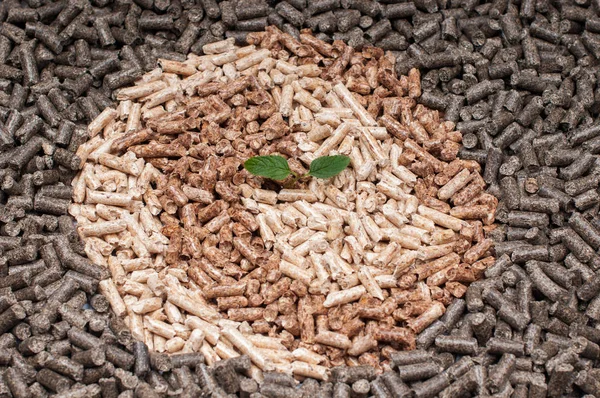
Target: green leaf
[273, 167]
[328, 166]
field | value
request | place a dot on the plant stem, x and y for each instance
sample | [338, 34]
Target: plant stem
[295, 178]
[291, 184]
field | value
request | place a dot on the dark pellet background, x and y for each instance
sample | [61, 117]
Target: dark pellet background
[520, 78]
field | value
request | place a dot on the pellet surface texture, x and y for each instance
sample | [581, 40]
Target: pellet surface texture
[138, 258]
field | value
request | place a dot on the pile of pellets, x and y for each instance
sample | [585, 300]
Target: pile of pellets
[520, 80]
[300, 278]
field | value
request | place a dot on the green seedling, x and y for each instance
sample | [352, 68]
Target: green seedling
[276, 167]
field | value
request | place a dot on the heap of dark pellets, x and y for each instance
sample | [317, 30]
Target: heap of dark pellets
[519, 77]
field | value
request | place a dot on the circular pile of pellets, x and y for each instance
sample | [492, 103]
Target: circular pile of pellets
[519, 79]
[318, 274]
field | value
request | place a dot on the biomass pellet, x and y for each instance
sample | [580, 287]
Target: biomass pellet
[227, 378]
[378, 30]
[192, 360]
[350, 375]
[411, 373]
[463, 385]
[290, 14]
[16, 383]
[401, 358]
[379, 389]
[90, 358]
[53, 380]
[457, 345]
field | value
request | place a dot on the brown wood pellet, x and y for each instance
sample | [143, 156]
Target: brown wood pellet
[206, 257]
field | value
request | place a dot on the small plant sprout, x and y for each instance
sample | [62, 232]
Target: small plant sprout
[276, 167]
